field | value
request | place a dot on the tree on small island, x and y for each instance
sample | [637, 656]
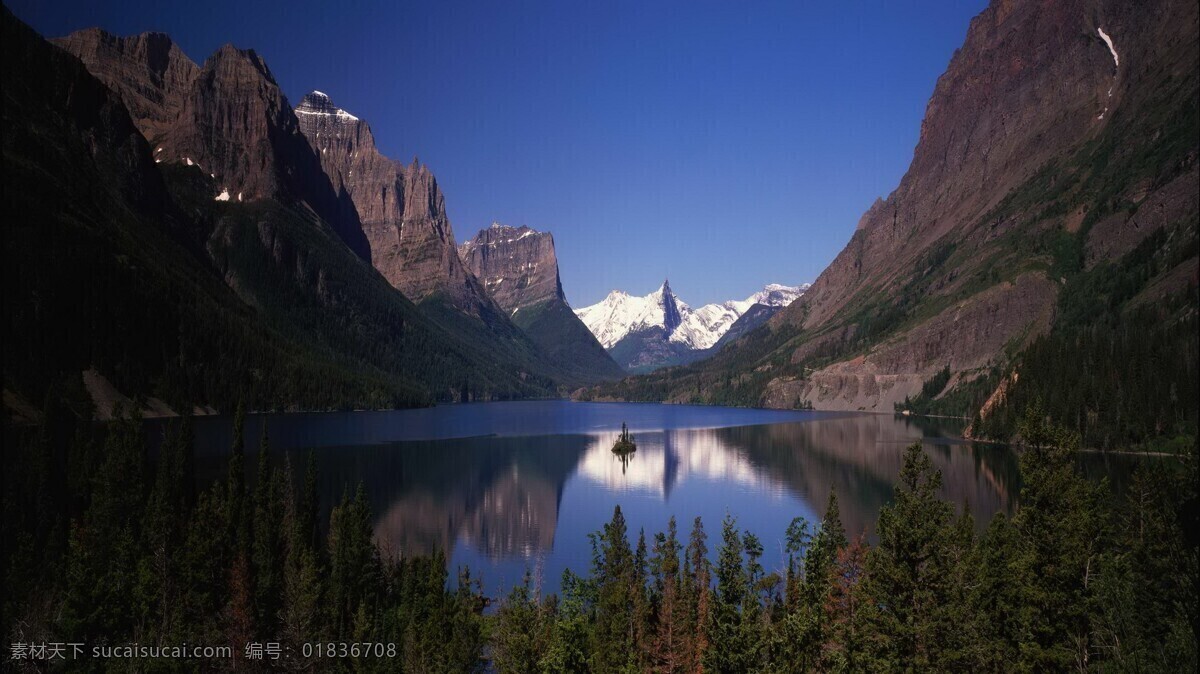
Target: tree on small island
[624, 443]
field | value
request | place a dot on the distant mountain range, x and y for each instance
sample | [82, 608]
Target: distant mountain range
[659, 329]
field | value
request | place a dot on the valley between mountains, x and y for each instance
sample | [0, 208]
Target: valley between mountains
[1040, 250]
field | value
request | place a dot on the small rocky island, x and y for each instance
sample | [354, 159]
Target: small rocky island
[624, 446]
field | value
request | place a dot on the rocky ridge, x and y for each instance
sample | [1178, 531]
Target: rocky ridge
[401, 209]
[519, 268]
[228, 118]
[517, 265]
[1059, 139]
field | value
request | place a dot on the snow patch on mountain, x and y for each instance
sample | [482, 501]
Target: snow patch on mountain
[621, 314]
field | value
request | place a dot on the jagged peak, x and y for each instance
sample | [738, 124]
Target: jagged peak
[153, 41]
[230, 55]
[319, 103]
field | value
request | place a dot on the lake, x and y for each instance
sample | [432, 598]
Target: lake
[505, 487]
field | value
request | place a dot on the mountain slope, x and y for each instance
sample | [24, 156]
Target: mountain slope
[519, 268]
[87, 203]
[308, 323]
[401, 209]
[228, 117]
[1045, 157]
[149, 72]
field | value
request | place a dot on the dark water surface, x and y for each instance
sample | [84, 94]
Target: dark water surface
[505, 487]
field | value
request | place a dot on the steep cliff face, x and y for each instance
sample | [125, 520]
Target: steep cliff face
[519, 268]
[517, 265]
[1039, 127]
[228, 118]
[401, 209]
[148, 71]
[1060, 139]
[1031, 83]
[238, 211]
[97, 281]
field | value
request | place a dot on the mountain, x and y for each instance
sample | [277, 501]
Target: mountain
[411, 243]
[193, 296]
[1046, 228]
[659, 329]
[148, 71]
[401, 209]
[519, 268]
[227, 117]
[150, 317]
[517, 265]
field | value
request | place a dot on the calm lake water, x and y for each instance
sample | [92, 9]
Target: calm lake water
[505, 487]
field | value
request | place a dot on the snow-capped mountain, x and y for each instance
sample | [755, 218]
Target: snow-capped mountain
[662, 317]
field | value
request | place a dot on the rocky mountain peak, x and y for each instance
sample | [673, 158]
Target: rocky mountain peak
[672, 317]
[148, 71]
[319, 104]
[400, 206]
[230, 61]
[517, 265]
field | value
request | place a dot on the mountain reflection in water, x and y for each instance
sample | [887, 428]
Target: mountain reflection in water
[502, 504]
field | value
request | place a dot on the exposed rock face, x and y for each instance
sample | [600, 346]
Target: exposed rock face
[965, 337]
[401, 209]
[1121, 232]
[229, 118]
[1026, 86]
[517, 265]
[1017, 148]
[148, 71]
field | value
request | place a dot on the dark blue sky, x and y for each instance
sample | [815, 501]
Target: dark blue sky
[724, 144]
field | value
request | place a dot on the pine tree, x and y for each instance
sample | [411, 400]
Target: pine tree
[846, 609]
[669, 653]
[267, 552]
[697, 597]
[105, 547]
[613, 647]
[1059, 537]
[729, 651]
[516, 646]
[908, 569]
[354, 565]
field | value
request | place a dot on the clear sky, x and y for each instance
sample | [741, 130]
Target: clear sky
[723, 144]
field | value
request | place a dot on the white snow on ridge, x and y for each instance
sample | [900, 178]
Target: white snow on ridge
[340, 114]
[1108, 41]
[620, 314]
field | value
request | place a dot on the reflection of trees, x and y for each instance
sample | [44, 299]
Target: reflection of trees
[502, 494]
[860, 457]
